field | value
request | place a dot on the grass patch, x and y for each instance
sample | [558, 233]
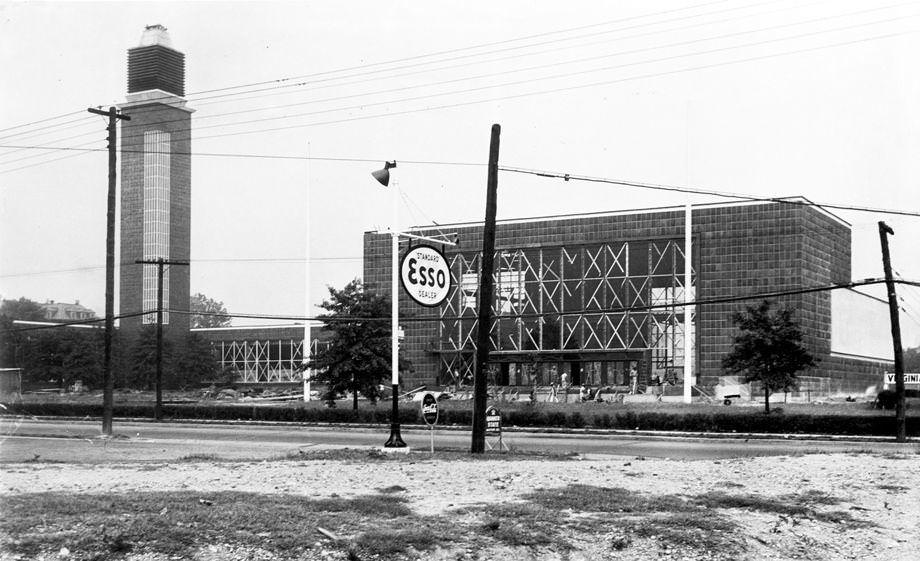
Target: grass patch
[556, 516]
[178, 524]
[516, 524]
[696, 530]
[588, 498]
[796, 505]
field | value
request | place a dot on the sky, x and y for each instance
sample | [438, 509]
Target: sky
[759, 97]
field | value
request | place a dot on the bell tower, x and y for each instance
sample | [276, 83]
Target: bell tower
[155, 183]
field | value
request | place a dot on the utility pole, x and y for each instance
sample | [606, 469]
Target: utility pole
[108, 379]
[883, 231]
[159, 262]
[478, 444]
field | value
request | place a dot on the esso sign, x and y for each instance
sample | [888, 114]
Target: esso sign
[425, 275]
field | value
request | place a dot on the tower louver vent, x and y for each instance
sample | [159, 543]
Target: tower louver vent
[156, 67]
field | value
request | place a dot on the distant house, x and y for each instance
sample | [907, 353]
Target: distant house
[65, 311]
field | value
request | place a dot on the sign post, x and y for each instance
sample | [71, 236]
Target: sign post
[494, 427]
[430, 414]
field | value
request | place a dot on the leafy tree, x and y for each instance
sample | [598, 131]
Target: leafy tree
[63, 355]
[11, 339]
[195, 361]
[207, 312]
[187, 360]
[357, 358]
[141, 359]
[22, 309]
[912, 360]
[768, 350]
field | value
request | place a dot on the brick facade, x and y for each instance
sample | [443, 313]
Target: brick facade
[176, 121]
[738, 249]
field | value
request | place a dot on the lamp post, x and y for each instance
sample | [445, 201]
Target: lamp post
[383, 176]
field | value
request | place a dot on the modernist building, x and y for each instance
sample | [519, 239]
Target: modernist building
[155, 182]
[266, 354]
[593, 296]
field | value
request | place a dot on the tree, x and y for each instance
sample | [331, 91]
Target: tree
[187, 360]
[63, 355]
[357, 358]
[11, 339]
[768, 350]
[22, 309]
[207, 312]
[912, 359]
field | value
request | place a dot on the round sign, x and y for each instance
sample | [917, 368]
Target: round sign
[425, 275]
[430, 408]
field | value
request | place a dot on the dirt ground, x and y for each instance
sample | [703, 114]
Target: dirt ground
[877, 498]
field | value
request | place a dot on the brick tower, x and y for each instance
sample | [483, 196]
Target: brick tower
[155, 182]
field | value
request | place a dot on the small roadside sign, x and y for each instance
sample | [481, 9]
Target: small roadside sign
[430, 408]
[430, 414]
[494, 428]
[493, 421]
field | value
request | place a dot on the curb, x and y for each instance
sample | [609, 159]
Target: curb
[507, 429]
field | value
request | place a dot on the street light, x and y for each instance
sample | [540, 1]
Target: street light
[383, 176]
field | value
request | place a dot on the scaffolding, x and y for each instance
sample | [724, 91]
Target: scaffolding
[265, 361]
[571, 303]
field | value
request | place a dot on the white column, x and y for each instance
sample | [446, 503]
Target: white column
[394, 289]
[305, 352]
[688, 330]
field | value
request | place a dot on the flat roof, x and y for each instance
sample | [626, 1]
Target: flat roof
[797, 200]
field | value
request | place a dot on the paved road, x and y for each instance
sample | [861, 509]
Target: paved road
[78, 441]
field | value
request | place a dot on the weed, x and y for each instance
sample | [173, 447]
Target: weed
[199, 458]
[893, 488]
[389, 542]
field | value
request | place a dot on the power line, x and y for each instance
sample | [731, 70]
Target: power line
[462, 49]
[560, 89]
[528, 94]
[733, 8]
[244, 155]
[520, 170]
[517, 82]
[527, 69]
[88, 268]
[313, 84]
[43, 121]
[90, 321]
[617, 310]
[46, 162]
[623, 309]
[696, 191]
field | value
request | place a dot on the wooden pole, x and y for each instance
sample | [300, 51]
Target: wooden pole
[485, 299]
[108, 380]
[901, 423]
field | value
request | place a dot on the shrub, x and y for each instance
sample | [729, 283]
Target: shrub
[717, 421]
[886, 399]
[575, 420]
